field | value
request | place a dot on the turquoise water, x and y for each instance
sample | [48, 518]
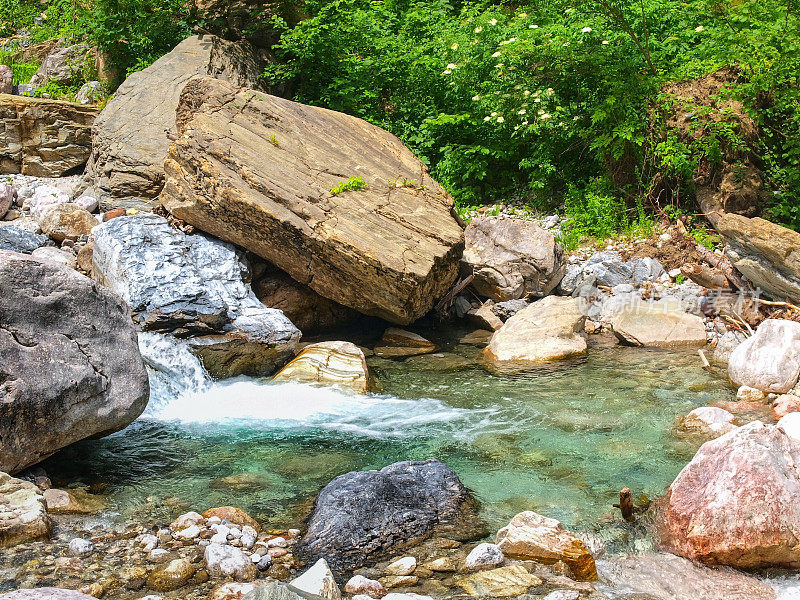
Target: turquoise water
[560, 440]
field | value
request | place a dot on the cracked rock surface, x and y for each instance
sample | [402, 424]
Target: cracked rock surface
[70, 366]
[258, 171]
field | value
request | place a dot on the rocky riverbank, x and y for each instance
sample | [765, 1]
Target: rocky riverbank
[211, 237]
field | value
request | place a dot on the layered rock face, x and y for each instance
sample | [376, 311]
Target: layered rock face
[360, 516]
[262, 172]
[335, 363]
[766, 253]
[511, 258]
[192, 285]
[129, 140]
[44, 138]
[769, 360]
[736, 503]
[546, 330]
[70, 366]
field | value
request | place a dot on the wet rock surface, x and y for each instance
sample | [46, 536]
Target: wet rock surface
[198, 288]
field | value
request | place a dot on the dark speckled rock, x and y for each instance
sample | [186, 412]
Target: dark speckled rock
[361, 516]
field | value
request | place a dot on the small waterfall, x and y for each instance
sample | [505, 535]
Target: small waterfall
[174, 371]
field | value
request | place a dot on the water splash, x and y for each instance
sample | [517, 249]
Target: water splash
[174, 371]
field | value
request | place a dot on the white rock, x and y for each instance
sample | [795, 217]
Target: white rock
[318, 580]
[709, 420]
[277, 542]
[186, 520]
[147, 541]
[215, 520]
[235, 533]
[189, 533]
[87, 202]
[746, 393]
[247, 530]
[158, 556]
[484, 556]
[255, 557]
[248, 541]
[52, 254]
[791, 425]
[402, 566]
[227, 561]
[44, 198]
[219, 538]
[770, 359]
[360, 585]
[563, 595]
[80, 547]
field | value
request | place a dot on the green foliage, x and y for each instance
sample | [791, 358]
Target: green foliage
[17, 14]
[132, 33]
[53, 89]
[353, 184]
[22, 71]
[528, 102]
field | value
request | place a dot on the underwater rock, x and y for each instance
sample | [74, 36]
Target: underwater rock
[397, 343]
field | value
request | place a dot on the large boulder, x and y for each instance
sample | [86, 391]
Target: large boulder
[543, 331]
[766, 253]
[531, 536]
[341, 364]
[511, 259]
[44, 138]
[386, 244]
[129, 138]
[769, 360]
[662, 323]
[304, 307]
[23, 517]
[63, 65]
[70, 366]
[67, 222]
[361, 516]
[192, 284]
[736, 503]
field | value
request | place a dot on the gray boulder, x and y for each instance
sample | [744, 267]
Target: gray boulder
[70, 366]
[361, 516]
[129, 142]
[19, 240]
[63, 65]
[506, 310]
[511, 258]
[769, 360]
[192, 284]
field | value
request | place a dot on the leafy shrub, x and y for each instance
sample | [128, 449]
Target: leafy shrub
[520, 102]
[17, 14]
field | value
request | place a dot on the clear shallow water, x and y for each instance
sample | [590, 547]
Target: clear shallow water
[560, 440]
